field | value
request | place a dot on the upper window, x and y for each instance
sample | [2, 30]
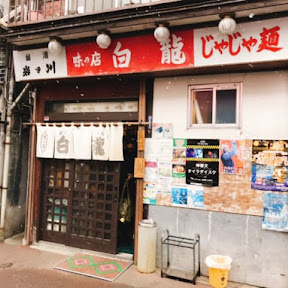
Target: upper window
[216, 105]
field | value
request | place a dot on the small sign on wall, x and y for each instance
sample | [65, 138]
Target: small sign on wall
[141, 140]
[139, 168]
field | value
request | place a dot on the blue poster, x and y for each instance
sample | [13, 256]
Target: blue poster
[179, 196]
[195, 197]
[275, 212]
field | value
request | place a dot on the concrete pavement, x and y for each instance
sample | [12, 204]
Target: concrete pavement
[27, 267]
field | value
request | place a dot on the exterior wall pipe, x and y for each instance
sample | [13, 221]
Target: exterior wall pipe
[2, 132]
[10, 106]
[28, 234]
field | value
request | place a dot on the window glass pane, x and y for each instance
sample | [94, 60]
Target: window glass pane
[226, 106]
[202, 107]
[82, 107]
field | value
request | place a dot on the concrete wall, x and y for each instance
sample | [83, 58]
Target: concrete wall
[230, 227]
[259, 257]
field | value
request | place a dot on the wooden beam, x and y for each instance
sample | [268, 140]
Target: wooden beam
[139, 183]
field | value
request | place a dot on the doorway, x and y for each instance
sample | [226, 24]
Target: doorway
[80, 201]
[126, 225]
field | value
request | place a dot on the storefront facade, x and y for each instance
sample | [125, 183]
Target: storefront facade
[207, 89]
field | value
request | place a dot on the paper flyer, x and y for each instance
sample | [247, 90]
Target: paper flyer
[150, 171]
[270, 165]
[151, 152]
[165, 149]
[162, 131]
[149, 193]
[179, 151]
[164, 195]
[231, 156]
[275, 212]
[164, 172]
[178, 174]
[179, 196]
[195, 195]
[202, 162]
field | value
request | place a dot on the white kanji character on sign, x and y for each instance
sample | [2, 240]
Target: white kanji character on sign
[78, 62]
[96, 59]
[177, 55]
[173, 53]
[121, 59]
[166, 53]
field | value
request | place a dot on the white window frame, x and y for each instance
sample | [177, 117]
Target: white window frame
[238, 86]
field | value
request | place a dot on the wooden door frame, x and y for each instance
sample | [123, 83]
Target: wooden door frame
[33, 205]
[140, 154]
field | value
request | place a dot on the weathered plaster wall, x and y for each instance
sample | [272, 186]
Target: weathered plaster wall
[234, 193]
[230, 223]
[263, 114]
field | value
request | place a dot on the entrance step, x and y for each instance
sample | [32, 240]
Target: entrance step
[70, 251]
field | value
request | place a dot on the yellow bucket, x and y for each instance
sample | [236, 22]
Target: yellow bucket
[218, 270]
[218, 277]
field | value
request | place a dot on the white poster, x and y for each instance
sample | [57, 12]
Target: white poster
[164, 172]
[150, 171]
[150, 153]
[165, 149]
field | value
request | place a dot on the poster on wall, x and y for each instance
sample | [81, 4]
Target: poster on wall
[195, 196]
[164, 172]
[150, 171]
[149, 193]
[162, 130]
[179, 174]
[275, 212]
[150, 152]
[164, 149]
[179, 151]
[164, 195]
[231, 156]
[269, 165]
[202, 162]
[179, 196]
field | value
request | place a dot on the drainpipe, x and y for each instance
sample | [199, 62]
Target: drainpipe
[10, 106]
[2, 132]
[28, 233]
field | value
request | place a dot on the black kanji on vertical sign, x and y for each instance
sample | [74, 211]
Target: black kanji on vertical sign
[28, 57]
[38, 69]
[26, 71]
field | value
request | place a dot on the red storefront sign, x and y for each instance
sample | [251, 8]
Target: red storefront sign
[131, 55]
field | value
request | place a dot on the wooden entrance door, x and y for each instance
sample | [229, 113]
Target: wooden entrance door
[80, 203]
